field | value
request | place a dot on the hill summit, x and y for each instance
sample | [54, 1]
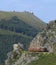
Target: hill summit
[25, 16]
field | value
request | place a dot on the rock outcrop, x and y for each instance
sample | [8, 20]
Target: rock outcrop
[15, 54]
[46, 40]
[19, 57]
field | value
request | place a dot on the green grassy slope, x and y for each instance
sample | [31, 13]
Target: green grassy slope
[27, 17]
[7, 32]
[47, 59]
[19, 26]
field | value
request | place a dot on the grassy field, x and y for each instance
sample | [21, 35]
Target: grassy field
[45, 59]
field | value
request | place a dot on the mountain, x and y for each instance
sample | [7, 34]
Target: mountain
[17, 27]
[42, 49]
[27, 17]
[22, 22]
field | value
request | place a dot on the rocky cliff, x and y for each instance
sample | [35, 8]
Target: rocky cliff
[46, 40]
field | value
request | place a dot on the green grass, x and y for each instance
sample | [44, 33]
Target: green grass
[47, 59]
[7, 32]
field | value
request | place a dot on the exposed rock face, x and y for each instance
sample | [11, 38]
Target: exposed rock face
[36, 43]
[17, 46]
[45, 40]
[16, 57]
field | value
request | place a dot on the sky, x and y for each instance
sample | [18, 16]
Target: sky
[44, 9]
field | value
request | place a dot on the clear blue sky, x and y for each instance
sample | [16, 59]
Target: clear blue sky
[44, 9]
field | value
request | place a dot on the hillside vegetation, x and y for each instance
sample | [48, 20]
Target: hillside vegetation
[27, 17]
[7, 39]
[18, 26]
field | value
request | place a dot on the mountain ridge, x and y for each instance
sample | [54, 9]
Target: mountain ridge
[27, 17]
